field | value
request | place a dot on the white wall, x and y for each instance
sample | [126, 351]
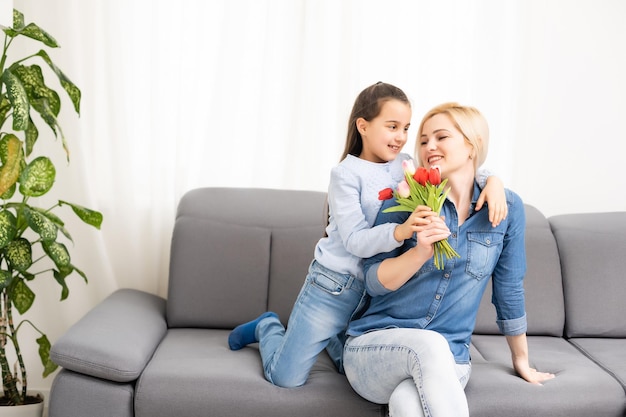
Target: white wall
[570, 150]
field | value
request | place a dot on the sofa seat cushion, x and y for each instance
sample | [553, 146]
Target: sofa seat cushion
[581, 388]
[610, 354]
[193, 373]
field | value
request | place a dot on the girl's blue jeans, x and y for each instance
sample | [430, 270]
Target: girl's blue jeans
[412, 370]
[322, 310]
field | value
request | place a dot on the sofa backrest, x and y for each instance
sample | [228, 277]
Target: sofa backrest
[592, 247]
[237, 252]
[542, 284]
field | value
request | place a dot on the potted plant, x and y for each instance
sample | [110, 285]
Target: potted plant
[31, 237]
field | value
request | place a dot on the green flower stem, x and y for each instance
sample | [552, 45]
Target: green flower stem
[432, 196]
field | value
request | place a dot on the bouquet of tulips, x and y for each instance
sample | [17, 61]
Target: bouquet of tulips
[424, 187]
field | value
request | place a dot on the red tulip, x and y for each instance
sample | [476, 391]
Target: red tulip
[386, 194]
[421, 175]
[434, 176]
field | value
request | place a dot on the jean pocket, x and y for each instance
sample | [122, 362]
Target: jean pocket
[483, 251]
[331, 284]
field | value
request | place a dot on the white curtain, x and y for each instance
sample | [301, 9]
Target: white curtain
[256, 93]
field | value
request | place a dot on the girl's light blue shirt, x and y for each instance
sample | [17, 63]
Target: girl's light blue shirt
[447, 300]
[353, 206]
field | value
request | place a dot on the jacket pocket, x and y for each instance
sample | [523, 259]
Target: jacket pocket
[483, 251]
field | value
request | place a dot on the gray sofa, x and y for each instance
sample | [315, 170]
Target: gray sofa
[236, 253]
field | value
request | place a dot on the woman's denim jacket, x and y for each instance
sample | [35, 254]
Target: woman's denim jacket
[447, 300]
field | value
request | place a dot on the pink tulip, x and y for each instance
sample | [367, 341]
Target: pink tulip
[408, 166]
[403, 189]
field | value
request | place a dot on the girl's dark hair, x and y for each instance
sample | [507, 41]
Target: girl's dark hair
[368, 105]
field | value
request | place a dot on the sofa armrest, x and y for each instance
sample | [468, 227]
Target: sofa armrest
[116, 339]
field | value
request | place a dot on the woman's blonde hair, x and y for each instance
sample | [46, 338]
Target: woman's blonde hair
[469, 121]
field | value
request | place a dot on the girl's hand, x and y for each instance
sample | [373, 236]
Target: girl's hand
[415, 222]
[493, 194]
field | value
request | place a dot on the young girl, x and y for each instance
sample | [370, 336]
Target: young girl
[410, 347]
[334, 287]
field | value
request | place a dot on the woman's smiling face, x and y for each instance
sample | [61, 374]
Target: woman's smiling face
[442, 144]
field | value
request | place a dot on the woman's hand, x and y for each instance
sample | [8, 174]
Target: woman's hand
[435, 230]
[414, 223]
[430, 228]
[531, 374]
[493, 194]
[519, 354]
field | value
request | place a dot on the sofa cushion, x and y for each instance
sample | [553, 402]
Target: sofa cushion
[610, 354]
[542, 283]
[195, 374]
[289, 267]
[581, 388]
[592, 248]
[252, 253]
[214, 267]
[116, 339]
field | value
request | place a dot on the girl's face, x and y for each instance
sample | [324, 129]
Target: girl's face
[385, 135]
[442, 144]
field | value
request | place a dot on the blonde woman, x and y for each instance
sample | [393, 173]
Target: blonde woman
[410, 348]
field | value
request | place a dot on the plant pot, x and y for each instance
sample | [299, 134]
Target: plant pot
[27, 410]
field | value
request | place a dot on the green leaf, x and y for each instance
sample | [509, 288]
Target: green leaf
[35, 32]
[19, 99]
[7, 227]
[38, 177]
[9, 193]
[5, 279]
[30, 31]
[60, 276]
[397, 208]
[57, 252]
[81, 273]
[50, 215]
[18, 19]
[91, 217]
[19, 254]
[22, 296]
[72, 91]
[44, 354]
[31, 134]
[12, 155]
[5, 106]
[41, 225]
[56, 220]
[39, 94]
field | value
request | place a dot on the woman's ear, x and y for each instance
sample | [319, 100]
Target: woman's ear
[361, 125]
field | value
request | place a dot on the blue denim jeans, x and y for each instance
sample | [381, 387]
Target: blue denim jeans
[412, 370]
[324, 306]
